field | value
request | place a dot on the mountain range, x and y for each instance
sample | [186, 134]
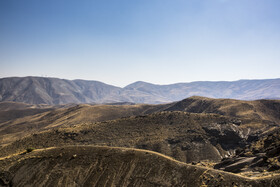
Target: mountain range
[53, 91]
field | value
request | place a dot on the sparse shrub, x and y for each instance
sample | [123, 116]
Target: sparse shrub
[30, 149]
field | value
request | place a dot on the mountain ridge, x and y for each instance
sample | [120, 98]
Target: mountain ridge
[53, 91]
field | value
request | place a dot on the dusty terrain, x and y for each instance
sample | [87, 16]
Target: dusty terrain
[25, 124]
[262, 111]
[185, 136]
[104, 166]
[240, 137]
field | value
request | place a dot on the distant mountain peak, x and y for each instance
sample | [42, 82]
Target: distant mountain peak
[138, 83]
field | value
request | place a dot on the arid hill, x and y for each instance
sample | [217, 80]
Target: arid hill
[253, 114]
[13, 110]
[104, 166]
[185, 136]
[267, 111]
[236, 124]
[24, 124]
[228, 135]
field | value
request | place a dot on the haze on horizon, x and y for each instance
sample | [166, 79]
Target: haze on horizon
[157, 41]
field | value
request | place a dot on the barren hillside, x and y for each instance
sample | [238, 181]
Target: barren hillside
[263, 110]
[20, 123]
[185, 136]
[103, 166]
[224, 134]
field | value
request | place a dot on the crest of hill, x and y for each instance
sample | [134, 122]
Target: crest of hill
[267, 110]
[104, 166]
[16, 124]
[15, 110]
[42, 90]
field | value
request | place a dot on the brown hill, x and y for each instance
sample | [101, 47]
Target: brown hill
[185, 136]
[255, 114]
[24, 123]
[245, 121]
[14, 110]
[265, 111]
[103, 166]
[214, 130]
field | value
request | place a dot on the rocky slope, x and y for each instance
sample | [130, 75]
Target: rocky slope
[185, 136]
[261, 156]
[103, 166]
[41, 90]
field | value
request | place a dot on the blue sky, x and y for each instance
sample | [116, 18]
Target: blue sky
[122, 41]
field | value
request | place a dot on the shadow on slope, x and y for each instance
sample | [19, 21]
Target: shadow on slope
[253, 160]
[13, 110]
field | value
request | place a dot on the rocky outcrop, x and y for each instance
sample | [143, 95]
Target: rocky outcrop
[228, 135]
[262, 155]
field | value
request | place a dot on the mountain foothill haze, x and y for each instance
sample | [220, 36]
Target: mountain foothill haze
[53, 91]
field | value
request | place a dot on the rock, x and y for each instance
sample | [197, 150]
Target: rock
[274, 167]
[73, 156]
[274, 152]
[5, 178]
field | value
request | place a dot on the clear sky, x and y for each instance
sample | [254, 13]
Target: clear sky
[122, 41]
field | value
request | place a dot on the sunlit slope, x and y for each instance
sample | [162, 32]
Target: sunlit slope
[253, 114]
[258, 110]
[103, 166]
[79, 114]
[185, 136]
